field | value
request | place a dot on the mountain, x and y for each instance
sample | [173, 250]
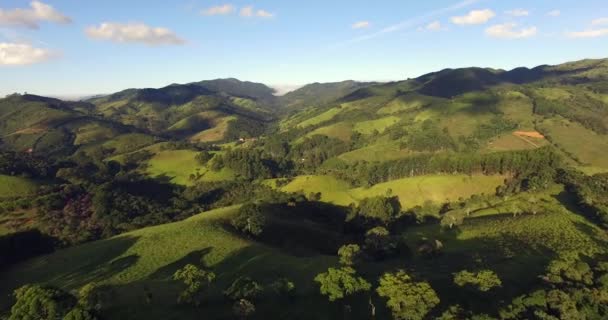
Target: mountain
[319, 93]
[476, 109]
[207, 111]
[486, 188]
[50, 126]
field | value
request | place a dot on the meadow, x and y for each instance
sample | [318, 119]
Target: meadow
[411, 191]
[178, 165]
[147, 258]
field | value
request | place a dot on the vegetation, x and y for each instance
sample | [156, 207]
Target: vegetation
[455, 195]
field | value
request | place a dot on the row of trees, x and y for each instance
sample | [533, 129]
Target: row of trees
[537, 167]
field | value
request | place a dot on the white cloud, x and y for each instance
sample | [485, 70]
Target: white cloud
[590, 33]
[510, 31]
[219, 10]
[554, 13]
[13, 54]
[434, 26]
[134, 32]
[31, 17]
[361, 25]
[600, 22]
[518, 13]
[474, 17]
[249, 11]
[264, 14]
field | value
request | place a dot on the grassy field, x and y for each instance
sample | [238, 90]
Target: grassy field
[437, 188]
[368, 127]
[325, 116]
[16, 186]
[147, 258]
[509, 141]
[590, 147]
[381, 151]
[178, 165]
[216, 133]
[340, 130]
[411, 191]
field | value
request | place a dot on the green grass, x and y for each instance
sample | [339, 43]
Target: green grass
[178, 165]
[332, 190]
[340, 130]
[381, 151]
[368, 127]
[16, 186]
[411, 191]
[509, 141]
[591, 148]
[148, 258]
[437, 188]
[325, 116]
[406, 103]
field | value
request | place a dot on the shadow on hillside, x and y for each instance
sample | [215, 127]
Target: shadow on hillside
[517, 263]
[195, 258]
[73, 267]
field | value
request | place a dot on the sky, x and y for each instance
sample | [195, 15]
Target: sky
[71, 48]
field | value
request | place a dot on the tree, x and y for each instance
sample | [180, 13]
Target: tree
[243, 288]
[79, 313]
[283, 287]
[349, 254]
[407, 300]
[379, 243]
[250, 219]
[483, 280]
[379, 209]
[203, 157]
[337, 284]
[243, 309]
[196, 280]
[40, 303]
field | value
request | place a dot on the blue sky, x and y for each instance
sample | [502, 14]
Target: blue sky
[68, 47]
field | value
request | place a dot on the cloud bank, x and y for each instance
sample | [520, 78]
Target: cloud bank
[16, 54]
[33, 16]
[361, 25]
[219, 10]
[474, 17]
[510, 31]
[134, 33]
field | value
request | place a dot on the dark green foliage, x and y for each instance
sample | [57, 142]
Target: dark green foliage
[535, 168]
[590, 192]
[407, 300]
[243, 288]
[379, 243]
[350, 254]
[26, 165]
[313, 151]
[203, 157]
[380, 210]
[338, 284]
[196, 281]
[243, 308]
[283, 287]
[34, 302]
[250, 220]
[484, 280]
[248, 164]
[429, 137]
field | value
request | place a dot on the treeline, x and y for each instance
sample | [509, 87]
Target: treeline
[538, 165]
[25, 164]
[591, 193]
